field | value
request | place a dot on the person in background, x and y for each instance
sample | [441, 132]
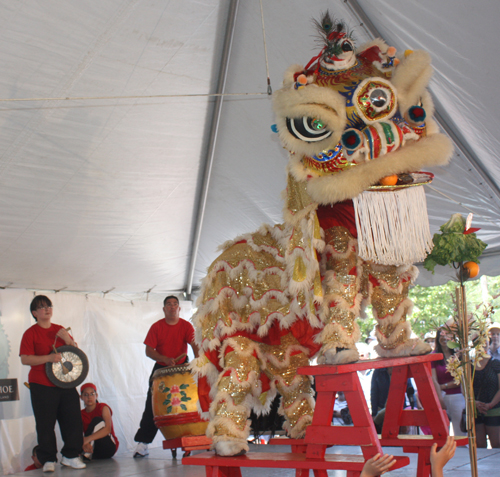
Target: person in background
[99, 440]
[167, 340]
[449, 393]
[494, 348]
[380, 464]
[430, 339]
[36, 463]
[487, 396]
[51, 403]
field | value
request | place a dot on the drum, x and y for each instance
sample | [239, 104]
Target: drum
[175, 398]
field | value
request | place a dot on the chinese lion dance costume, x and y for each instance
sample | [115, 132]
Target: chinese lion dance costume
[285, 293]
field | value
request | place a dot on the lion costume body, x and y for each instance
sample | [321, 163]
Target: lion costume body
[277, 297]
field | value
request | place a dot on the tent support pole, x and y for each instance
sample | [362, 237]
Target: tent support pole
[209, 158]
[473, 160]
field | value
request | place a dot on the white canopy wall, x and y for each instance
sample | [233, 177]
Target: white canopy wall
[111, 333]
[105, 192]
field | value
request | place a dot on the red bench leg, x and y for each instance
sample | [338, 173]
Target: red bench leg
[217, 471]
[424, 462]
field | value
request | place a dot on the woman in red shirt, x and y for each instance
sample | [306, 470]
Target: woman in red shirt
[51, 403]
[100, 441]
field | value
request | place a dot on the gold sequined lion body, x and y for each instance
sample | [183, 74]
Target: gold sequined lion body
[277, 297]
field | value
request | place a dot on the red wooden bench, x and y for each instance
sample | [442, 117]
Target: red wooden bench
[187, 444]
[216, 466]
[332, 379]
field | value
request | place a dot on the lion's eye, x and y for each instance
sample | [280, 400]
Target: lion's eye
[346, 46]
[307, 129]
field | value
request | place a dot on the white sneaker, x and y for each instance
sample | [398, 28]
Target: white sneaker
[141, 450]
[49, 467]
[74, 463]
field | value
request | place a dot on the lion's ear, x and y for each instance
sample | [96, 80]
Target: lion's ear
[411, 78]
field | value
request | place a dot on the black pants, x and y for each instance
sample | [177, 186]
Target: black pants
[51, 404]
[147, 428]
[105, 447]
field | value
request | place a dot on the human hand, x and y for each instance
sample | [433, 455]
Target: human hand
[439, 459]
[86, 440]
[55, 357]
[377, 465]
[87, 448]
[169, 361]
[482, 407]
[65, 336]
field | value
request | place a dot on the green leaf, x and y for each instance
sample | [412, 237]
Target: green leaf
[452, 345]
[184, 386]
[183, 407]
[169, 409]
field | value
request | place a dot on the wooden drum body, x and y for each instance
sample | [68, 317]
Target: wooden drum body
[175, 398]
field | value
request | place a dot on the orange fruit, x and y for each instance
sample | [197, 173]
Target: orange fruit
[472, 268]
[389, 180]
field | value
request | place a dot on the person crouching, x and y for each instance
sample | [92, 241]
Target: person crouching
[99, 440]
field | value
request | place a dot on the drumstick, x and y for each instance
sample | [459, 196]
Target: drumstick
[65, 370]
[180, 357]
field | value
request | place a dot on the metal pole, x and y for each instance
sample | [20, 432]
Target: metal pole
[221, 83]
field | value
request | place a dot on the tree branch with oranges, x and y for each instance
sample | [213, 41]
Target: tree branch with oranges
[457, 245]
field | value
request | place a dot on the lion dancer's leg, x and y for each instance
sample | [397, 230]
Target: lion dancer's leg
[238, 383]
[297, 402]
[389, 298]
[342, 272]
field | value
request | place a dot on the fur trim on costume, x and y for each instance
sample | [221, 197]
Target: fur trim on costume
[313, 102]
[332, 356]
[411, 347]
[405, 307]
[429, 151]
[225, 447]
[281, 363]
[411, 78]
[299, 430]
[335, 336]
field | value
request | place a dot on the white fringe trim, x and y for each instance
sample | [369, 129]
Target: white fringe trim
[393, 227]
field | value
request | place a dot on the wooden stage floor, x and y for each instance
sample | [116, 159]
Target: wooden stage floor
[159, 463]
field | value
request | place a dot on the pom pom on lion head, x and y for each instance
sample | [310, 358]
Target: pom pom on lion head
[353, 117]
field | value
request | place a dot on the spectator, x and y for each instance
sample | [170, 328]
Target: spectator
[449, 393]
[379, 465]
[487, 395]
[494, 348]
[430, 339]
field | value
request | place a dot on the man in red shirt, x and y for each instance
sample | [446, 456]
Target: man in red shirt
[167, 339]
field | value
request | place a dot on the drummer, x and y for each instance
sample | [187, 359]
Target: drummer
[51, 403]
[166, 340]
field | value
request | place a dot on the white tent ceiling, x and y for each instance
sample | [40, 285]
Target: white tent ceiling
[104, 192]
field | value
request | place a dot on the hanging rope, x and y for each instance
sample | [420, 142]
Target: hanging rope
[269, 89]
[87, 98]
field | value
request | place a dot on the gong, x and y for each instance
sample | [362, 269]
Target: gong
[71, 371]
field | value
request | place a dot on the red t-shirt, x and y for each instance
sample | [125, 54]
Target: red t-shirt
[38, 341]
[31, 467]
[97, 412]
[170, 340]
